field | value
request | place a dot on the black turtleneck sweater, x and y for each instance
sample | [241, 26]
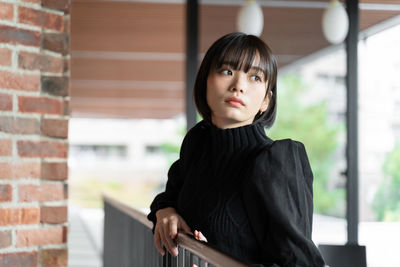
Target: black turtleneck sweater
[250, 196]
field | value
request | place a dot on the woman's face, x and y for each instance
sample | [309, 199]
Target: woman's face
[235, 97]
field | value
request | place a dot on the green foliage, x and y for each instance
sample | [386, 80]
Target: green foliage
[170, 149]
[309, 125]
[386, 203]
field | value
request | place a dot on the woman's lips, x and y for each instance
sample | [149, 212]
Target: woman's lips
[235, 102]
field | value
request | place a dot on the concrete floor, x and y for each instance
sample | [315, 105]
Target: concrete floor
[85, 244]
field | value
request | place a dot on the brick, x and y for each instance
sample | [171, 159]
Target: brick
[42, 105]
[53, 214]
[6, 11]
[5, 147]
[5, 239]
[56, 42]
[39, 237]
[26, 170]
[40, 18]
[51, 149]
[24, 82]
[29, 61]
[66, 191]
[19, 125]
[5, 193]
[6, 102]
[14, 35]
[13, 216]
[52, 64]
[19, 170]
[5, 170]
[66, 65]
[61, 5]
[54, 171]
[41, 193]
[67, 108]
[55, 128]
[35, 61]
[54, 85]
[53, 257]
[65, 234]
[67, 24]
[19, 259]
[5, 55]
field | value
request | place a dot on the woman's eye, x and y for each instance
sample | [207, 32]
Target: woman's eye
[256, 78]
[226, 72]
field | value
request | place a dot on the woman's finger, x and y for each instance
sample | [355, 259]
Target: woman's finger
[173, 228]
[164, 239]
[168, 242]
[157, 242]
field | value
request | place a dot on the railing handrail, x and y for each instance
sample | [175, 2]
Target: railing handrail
[132, 212]
[205, 252]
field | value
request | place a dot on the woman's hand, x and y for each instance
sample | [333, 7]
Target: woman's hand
[199, 236]
[169, 222]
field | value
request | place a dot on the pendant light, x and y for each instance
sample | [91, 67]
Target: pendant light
[250, 19]
[335, 22]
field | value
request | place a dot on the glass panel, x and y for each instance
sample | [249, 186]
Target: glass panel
[379, 147]
[311, 109]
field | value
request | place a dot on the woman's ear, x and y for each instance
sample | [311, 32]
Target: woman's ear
[265, 103]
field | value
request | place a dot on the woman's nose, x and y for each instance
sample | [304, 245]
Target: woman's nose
[239, 85]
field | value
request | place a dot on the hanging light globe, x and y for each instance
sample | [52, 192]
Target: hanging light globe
[250, 19]
[335, 22]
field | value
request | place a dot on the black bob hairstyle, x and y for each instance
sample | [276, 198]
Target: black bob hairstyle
[239, 50]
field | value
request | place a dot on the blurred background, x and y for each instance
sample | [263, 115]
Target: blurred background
[128, 108]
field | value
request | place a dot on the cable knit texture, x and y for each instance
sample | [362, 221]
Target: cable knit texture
[250, 196]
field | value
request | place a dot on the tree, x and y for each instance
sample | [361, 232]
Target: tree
[309, 124]
[386, 203]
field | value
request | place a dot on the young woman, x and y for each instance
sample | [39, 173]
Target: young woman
[249, 196]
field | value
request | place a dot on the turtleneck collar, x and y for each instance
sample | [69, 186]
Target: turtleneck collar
[240, 138]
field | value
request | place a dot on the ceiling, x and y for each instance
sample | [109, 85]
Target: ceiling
[127, 57]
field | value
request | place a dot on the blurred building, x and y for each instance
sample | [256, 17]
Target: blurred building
[379, 105]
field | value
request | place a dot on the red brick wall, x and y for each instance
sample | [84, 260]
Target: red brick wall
[34, 97]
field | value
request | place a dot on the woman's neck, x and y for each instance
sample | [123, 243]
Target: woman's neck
[228, 124]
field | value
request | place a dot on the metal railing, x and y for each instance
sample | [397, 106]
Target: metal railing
[128, 242]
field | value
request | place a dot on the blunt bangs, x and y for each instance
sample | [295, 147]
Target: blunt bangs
[240, 56]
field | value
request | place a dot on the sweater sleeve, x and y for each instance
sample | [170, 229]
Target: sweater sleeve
[168, 198]
[279, 201]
